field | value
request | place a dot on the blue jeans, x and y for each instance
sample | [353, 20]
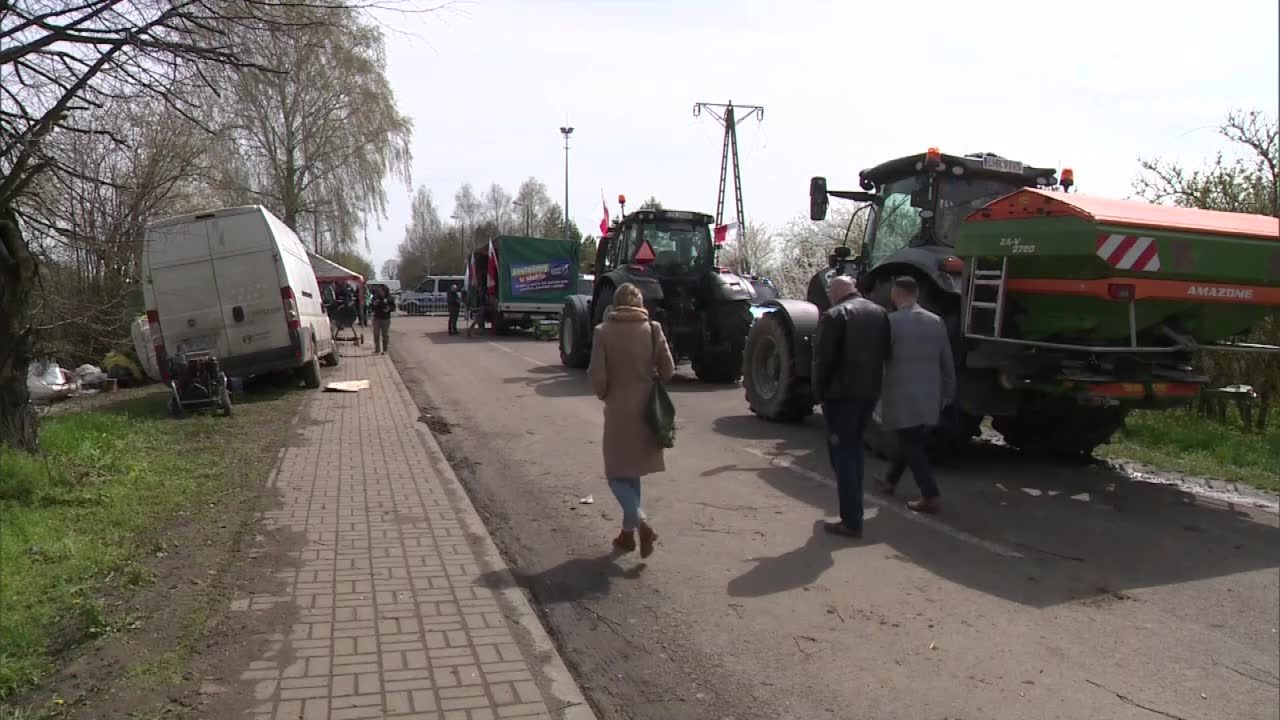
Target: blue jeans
[627, 490]
[847, 420]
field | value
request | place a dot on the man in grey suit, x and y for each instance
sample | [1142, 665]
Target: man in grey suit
[848, 369]
[920, 381]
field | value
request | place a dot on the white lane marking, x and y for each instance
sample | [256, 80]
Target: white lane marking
[513, 352]
[786, 462]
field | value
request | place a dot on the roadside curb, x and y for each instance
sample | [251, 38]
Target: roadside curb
[566, 701]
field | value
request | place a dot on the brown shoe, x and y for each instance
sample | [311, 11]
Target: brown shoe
[625, 542]
[647, 538]
[928, 505]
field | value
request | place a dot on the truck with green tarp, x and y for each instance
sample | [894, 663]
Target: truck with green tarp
[1065, 311]
[528, 279]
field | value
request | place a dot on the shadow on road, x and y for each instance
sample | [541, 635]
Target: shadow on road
[554, 381]
[792, 569]
[1083, 531]
[571, 581]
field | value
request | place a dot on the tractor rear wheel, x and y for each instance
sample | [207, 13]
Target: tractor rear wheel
[725, 365]
[1058, 427]
[575, 334]
[774, 389]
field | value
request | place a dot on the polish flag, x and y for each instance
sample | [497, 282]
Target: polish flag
[604, 224]
[493, 270]
[727, 233]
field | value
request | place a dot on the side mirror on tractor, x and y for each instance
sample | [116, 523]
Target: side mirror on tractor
[817, 198]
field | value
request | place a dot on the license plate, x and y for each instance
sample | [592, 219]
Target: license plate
[197, 344]
[999, 164]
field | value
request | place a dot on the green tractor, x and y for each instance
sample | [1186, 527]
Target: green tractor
[705, 311]
[1064, 311]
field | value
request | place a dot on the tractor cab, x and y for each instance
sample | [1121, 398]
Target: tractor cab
[670, 243]
[916, 204]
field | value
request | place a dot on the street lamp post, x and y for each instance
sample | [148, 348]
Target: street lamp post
[462, 221]
[566, 131]
[527, 220]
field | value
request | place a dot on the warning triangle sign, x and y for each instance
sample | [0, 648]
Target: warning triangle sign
[644, 253]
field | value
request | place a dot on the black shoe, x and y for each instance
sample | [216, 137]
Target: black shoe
[839, 528]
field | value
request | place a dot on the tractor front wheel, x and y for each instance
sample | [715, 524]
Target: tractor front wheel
[724, 364]
[775, 391]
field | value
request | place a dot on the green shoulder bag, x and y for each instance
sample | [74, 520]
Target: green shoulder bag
[661, 412]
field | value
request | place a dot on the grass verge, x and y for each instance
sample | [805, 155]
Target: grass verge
[82, 519]
[1183, 441]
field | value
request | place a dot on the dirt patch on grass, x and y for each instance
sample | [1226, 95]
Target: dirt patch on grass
[165, 628]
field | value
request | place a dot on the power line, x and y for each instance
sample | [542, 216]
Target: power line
[728, 116]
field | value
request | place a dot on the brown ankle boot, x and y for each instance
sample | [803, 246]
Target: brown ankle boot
[647, 538]
[625, 542]
[928, 505]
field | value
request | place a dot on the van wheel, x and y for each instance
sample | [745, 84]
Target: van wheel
[311, 372]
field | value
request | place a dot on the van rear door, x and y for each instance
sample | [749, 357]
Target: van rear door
[184, 290]
[246, 267]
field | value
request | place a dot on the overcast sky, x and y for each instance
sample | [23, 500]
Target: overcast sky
[845, 85]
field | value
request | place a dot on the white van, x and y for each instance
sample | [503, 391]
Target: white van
[237, 282]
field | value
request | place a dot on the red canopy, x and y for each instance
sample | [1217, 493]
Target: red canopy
[329, 271]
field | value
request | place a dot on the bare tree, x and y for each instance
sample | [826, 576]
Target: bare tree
[651, 204]
[313, 138]
[391, 269]
[422, 236]
[497, 208]
[1247, 179]
[60, 60]
[533, 201]
[87, 228]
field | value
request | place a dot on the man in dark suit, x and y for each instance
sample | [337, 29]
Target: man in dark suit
[853, 343]
[920, 381]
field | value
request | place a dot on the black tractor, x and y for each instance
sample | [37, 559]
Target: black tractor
[705, 311]
[916, 204]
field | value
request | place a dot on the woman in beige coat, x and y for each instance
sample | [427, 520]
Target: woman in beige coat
[628, 354]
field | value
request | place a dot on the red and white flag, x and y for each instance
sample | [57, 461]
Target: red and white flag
[726, 233]
[604, 224]
[493, 270]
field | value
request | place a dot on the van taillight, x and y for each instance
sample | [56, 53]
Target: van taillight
[157, 342]
[290, 308]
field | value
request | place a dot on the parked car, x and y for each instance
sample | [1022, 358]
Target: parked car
[235, 282]
[429, 298]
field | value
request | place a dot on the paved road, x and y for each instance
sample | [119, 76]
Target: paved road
[1043, 591]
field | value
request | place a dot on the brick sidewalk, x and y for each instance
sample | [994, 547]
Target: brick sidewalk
[391, 617]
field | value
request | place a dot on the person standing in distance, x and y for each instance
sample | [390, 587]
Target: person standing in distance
[853, 343]
[919, 383]
[382, 306]
[454, 300]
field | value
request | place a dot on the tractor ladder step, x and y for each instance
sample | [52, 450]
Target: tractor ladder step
[984, 298]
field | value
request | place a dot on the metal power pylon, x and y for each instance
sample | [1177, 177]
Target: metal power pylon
[727, 115]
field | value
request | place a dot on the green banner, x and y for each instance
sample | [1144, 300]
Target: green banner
[536, 270]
